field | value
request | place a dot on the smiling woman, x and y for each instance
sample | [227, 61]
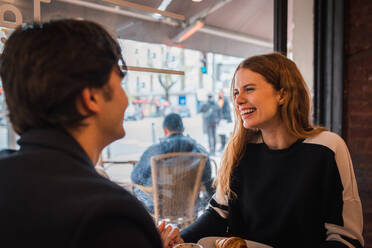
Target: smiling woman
[256, 100]
[271, 100]
[282, 182]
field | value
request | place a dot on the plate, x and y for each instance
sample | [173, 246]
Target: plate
[210, 242]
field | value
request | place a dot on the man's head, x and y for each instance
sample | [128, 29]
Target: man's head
[220, 93]
[45, 68]
[210, 97]
[172, 124]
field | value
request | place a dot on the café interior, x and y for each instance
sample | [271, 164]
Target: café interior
[201, 42]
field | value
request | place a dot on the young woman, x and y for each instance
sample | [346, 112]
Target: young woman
[283, 182]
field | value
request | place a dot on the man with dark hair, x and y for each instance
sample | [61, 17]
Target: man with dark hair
[175, 141]
[62, 84]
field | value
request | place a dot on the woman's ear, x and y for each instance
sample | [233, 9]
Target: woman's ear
[282, 96]
[87, 102]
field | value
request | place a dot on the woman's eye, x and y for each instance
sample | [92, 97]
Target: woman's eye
[249, 89]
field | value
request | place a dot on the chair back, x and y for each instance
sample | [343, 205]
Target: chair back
[119, 172]
[176, 179]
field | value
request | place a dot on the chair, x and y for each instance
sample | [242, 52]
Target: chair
[214, 167]
[203, 190]
[176, 183]
[125, 167]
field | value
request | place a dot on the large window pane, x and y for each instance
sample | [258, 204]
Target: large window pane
[226, 33]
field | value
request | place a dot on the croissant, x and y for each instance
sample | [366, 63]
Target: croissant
[233, 242]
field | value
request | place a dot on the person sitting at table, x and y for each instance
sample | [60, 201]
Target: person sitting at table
[175, 141]
[62, 85]
[283, 181]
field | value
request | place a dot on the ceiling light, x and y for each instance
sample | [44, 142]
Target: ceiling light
[197, 0]
[188, 31]
[164, 4]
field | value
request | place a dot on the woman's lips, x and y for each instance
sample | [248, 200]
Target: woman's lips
[246, 113]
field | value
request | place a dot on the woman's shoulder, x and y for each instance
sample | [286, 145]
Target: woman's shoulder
[326, 138]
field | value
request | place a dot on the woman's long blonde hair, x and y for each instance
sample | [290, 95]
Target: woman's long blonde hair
[282, 73]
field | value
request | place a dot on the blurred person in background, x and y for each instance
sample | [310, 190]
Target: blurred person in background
[211, 117]
[225, 126]
[174, 141]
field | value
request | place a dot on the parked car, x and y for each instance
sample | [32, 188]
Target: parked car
[2, 119]
[133, 113]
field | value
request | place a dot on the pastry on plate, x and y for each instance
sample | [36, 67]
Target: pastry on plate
[232, 242]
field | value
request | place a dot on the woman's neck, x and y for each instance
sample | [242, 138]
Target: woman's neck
[277, 138]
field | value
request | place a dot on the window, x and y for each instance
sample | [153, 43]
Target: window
[205, 40]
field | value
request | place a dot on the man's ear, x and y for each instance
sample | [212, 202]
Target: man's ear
[165, 131]
[87, 102]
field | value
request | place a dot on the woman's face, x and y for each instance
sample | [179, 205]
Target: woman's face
[256, 100]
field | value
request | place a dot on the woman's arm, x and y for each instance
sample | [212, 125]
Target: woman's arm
[212, 223]
[342, 209]
[209, 224]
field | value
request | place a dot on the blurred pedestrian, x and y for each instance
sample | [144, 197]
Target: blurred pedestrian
[211, 118]
[225, 126]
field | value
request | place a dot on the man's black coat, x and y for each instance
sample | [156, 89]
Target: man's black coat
[51, 196]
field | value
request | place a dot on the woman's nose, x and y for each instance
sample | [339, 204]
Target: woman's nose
[239, 99]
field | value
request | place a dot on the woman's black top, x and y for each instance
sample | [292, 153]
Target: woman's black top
[302, 196]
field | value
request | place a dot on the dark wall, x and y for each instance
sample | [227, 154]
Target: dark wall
[357, 114]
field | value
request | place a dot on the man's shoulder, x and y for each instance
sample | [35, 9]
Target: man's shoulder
[123, 211]
[182, 138]
[35, 157]
[6, 152]
[192, 140]
[101, 200]
[154, 148]
[197, 147]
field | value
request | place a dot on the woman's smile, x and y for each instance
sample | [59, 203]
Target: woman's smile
[256, 100]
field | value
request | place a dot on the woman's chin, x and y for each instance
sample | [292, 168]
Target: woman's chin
[248, 125]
